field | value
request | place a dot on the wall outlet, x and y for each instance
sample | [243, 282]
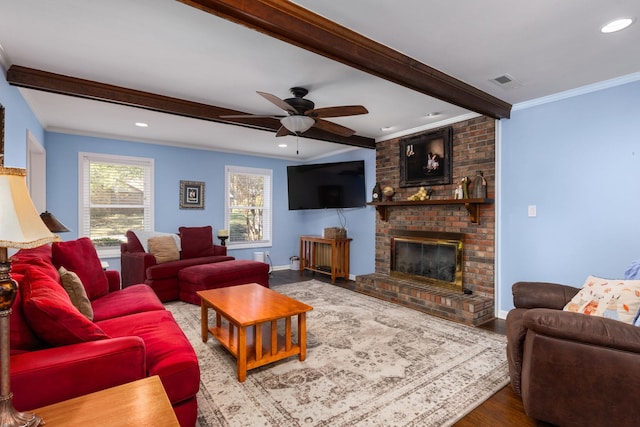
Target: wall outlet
[266, 253]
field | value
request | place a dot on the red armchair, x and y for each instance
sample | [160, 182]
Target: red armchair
[139, 266]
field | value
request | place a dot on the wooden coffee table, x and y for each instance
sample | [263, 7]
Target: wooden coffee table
[250, 312]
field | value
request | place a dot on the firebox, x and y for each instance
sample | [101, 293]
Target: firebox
[427, 257]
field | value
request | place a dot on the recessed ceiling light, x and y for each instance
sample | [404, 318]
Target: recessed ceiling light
[282, 145]
[617, 25]
[142, 125]
[434, 114]
[386, 128]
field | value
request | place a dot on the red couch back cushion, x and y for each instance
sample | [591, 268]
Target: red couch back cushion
[50, 313]
[196, 242]
[81, 257]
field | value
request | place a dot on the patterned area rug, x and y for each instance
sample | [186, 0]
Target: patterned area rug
[369, 363]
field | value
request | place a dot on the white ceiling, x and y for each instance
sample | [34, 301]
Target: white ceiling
[168, 48]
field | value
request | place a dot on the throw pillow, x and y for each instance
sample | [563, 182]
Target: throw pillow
[81, 257]
[73, 286]
[612, 298]
[163, 248]
[49, 312]
[196, 241]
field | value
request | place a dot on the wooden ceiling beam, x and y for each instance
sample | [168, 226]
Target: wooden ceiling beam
[66, 85]
[294, 24]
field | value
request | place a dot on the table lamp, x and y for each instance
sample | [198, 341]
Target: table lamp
[20, 228]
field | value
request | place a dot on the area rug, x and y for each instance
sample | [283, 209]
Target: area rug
[369, 363]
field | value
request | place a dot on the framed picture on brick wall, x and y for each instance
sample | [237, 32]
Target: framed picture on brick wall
[191, 195]
[426, 159]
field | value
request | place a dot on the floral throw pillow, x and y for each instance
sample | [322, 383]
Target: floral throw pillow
[612, 298]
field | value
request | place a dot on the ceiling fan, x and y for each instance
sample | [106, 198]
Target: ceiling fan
[302, 114]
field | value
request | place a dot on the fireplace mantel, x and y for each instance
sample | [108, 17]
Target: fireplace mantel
[472, 205]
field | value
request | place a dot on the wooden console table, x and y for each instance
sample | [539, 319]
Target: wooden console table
[326, 256]
[138, 403]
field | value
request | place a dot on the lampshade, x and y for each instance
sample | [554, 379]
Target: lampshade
[297, 124]
[20, 224]
[52, 223]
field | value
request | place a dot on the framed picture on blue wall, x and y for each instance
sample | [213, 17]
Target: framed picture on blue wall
[191, 195]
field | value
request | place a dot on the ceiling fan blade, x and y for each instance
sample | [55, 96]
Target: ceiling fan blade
[278, 102]
[333, 128]
[250, 116]
[283, 131]
[345, 110]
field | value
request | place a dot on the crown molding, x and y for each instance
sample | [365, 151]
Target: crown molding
[583, 90]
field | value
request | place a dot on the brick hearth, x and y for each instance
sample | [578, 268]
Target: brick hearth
[473, 150]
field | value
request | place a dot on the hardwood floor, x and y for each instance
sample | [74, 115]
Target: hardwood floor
[502, 409]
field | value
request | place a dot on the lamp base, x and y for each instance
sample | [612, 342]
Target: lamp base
[9, 417]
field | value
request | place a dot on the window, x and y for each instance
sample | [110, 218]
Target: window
[115, 195]
[248, 206]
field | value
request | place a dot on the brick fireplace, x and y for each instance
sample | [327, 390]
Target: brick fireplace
[473, 150]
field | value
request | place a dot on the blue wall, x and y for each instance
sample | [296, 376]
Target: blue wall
[174, 164]
[18, 118]
[578, 160]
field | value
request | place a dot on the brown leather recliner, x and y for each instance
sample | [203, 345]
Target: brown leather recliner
[571, 369]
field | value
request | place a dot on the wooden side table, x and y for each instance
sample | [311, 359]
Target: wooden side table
[139, 403]
[326, 256]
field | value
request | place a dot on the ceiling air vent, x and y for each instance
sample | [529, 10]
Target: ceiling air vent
[506, 81]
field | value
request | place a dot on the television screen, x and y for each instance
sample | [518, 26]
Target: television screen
[326, 185]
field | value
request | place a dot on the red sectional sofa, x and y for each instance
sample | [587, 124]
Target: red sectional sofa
[139, 266]
[58, 353]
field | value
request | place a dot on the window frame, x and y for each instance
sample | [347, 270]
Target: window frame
[84, 161]
[267, 207]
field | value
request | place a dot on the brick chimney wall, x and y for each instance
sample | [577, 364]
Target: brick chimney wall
[473, 150]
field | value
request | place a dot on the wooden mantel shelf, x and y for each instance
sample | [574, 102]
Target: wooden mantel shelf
[472, 205]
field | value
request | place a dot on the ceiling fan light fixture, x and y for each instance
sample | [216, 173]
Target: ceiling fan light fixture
[297, 124]
[617, 25]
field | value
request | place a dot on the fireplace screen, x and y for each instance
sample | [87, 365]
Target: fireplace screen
[438, 261]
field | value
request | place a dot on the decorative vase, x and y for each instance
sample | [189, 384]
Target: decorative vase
[479, 186]
[376, 195]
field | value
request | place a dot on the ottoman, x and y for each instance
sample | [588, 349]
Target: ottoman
[219, 275]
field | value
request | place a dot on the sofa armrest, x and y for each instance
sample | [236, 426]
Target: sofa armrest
[542, 295]
[578, 327]
[219, 250]
[113, 278]
[133, 266]
[43, 377]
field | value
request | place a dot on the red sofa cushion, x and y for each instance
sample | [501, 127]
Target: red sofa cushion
[130, 300]
[22, 337]
[40, 256]
[196, 241]
[49, 312]
[169, 353]
[172, 268]
[81, 257]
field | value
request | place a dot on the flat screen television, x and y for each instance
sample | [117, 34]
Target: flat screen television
[326, 185]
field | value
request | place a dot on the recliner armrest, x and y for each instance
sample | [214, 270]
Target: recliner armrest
[542, 295]
[598, 331]
[43, 377]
